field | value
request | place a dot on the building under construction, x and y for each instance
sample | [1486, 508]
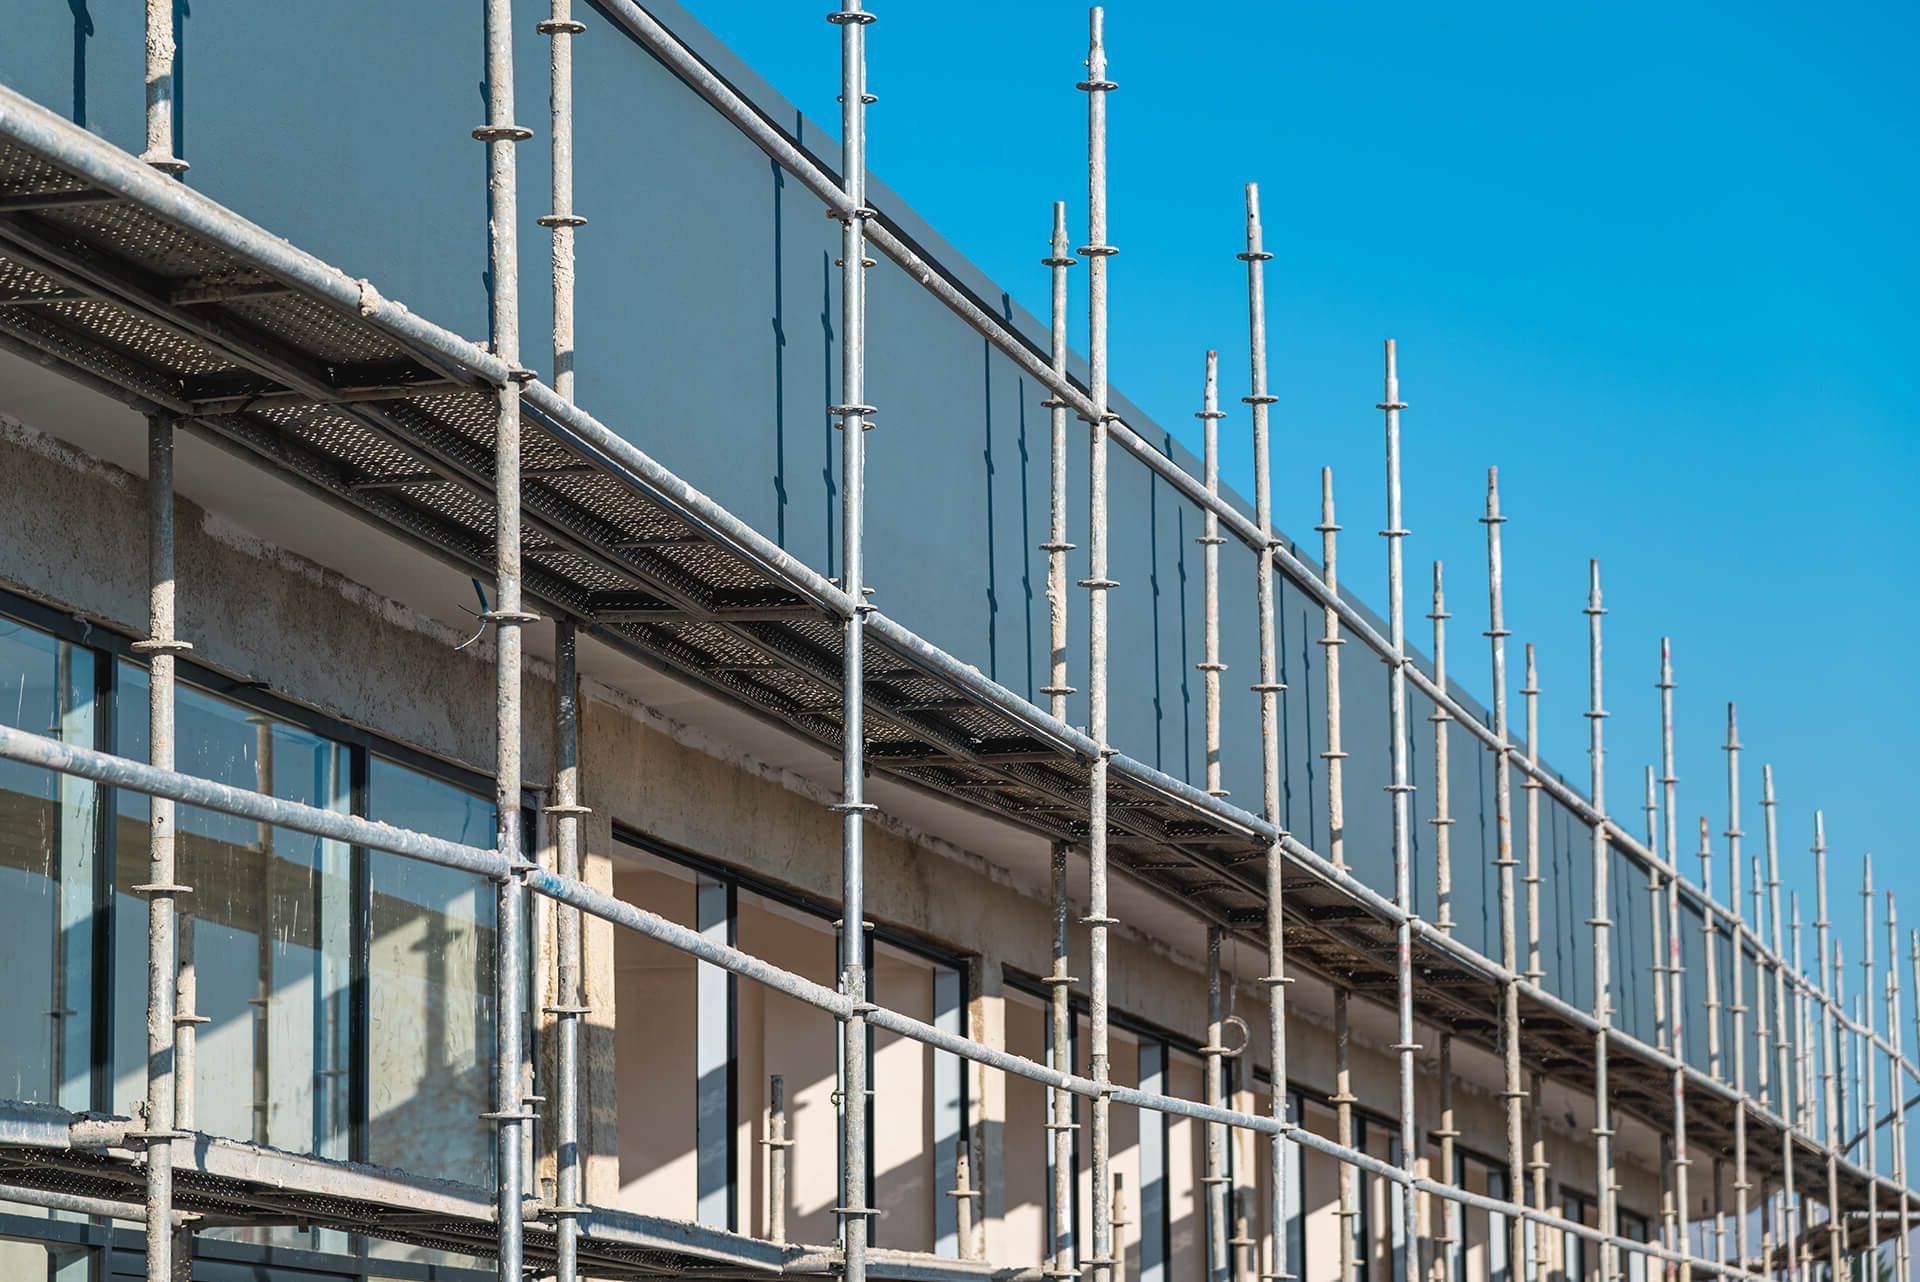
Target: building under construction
[571, 717]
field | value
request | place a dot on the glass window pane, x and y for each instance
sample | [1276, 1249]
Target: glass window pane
[267, 929]
[48, 848]
[430, 985]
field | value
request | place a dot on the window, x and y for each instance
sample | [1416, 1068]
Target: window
[304, 952]
[49, 874]
[696, 1053]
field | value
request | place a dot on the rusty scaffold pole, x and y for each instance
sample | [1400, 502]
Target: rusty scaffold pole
[1060, 1123]
[1656, 888]
[1826, 958]
[1097, 251]
[1790, 1217]
[1676, 973]
[1742, 1187]
[1400, 791]
[853, 414]
[510, 1113]
[1343, 1102]
[1535, 973]
[566, 811]
[1600, 922]
[1446, 1240]
[1513, 1092]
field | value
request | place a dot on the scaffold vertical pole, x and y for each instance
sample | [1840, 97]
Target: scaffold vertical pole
[566, 812]
[1869, 1070]
[1825, 958]
[1098, 921]
[1676, 973]
[1268, 688]
[561, 28]
[1513, 1092]
[1537, 1167]
[853, 413]
[162, 646]
[509, 1113]
[1790, 1218]
[569, 1005]
[777, 1145]
[1343, 1102]
[1710, 945]
[1056, 547]
[1656, 893]
[1330, 642]
[1214, 1174]
[1060, 1124]
[1442, 819]
[1400, 790]
[1211, 669]
[1896, 1075]
[161, 53]
[1446, 1238]
[1601, 923]
[1531, 878]
[1742, 1244]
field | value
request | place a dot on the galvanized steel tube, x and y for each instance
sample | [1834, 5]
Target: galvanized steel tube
[1060, 1041]
[161, 52]
[509, 1109]
[569, 942]
[1214, 1171]
[1260, 400]
[1601, 923]
[1676, 973]
[1097, 251]
[161, 887]
[1442, 819]
[1210, 666]
[1400, 791]
[1790, 1217]
[1826, 959]
[1330, 643]
[1503, 860]
[1737, 980]
[1056, 546]
[852, 412]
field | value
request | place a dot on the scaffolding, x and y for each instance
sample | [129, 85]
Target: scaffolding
[127, 281]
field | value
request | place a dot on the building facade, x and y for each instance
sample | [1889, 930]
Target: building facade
[332, 546]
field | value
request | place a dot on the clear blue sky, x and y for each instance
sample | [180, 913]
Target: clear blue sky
[1656, 262]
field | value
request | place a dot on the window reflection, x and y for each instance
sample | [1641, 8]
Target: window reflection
[430, 985]
[268, 928]
[48, 827]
